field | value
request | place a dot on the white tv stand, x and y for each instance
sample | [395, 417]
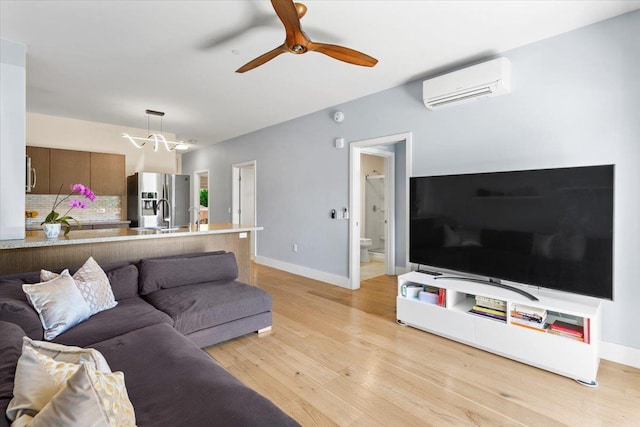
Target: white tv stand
[452, 319]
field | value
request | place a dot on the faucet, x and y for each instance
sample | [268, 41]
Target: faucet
[168, 218]
[197, 216]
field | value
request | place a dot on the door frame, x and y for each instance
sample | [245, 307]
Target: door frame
[389, 204]
[355, 149]
[235, 198]
[196, 190]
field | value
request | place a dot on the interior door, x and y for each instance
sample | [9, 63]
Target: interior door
[244, 197]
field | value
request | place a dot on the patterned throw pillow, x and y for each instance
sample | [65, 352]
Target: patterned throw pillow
[93, 284]
[68, 353]
[59, 304]
[38, 378]
[52, 392]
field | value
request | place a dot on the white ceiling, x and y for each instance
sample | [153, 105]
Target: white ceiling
[108, 61]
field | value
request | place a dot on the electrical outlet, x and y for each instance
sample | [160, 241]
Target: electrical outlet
[101, 210]
[295, 247]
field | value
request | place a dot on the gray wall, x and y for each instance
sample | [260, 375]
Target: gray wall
[575, 101]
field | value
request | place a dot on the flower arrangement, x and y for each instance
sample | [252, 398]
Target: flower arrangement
[55, 218]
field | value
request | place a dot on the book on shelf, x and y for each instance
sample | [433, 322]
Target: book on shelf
[566, 335]
[526, 317]
[531, 324]
[586, 329]
[489, 312]
[531, 313]
[490, 302]
[442, 297]
[570, 328]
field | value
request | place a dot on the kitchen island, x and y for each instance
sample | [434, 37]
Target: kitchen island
[36, 252]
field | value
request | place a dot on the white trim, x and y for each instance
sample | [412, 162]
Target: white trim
[354, 205]
[196, 191]
[310, 273]
[235, 198]
[620, 354]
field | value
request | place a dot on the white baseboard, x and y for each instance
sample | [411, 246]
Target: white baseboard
[620, 354]
[310, 273]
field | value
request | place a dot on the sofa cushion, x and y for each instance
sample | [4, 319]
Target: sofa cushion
[10, 351]
[170, 272]
[129, 314]
[124, 282]
[158, 356]
[15, 308]
[204, 305]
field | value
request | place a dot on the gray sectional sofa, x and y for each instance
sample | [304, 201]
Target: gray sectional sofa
[168, 309]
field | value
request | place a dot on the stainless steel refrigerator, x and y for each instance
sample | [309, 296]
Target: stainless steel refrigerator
[158, 200]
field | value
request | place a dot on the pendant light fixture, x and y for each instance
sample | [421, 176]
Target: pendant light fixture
[156, 138]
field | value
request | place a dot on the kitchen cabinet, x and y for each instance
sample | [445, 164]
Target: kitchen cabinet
[67, 167]
[108, 174]
[40, 169]
[104, 173]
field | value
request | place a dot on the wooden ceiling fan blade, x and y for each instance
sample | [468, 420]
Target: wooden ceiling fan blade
[342, 53]
[288, 14]
[262, 59]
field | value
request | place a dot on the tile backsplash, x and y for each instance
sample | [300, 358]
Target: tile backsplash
[42, 203]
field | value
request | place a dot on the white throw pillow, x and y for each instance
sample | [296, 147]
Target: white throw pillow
[59, 304]
[68, 353]
[51, 392]
[93, 284]
[41, 372]
[89, 398]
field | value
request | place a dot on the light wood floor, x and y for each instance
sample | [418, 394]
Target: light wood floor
[337, 357]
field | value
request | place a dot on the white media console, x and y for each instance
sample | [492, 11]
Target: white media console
[451, 318]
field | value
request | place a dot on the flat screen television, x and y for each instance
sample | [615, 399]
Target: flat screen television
[550, 228]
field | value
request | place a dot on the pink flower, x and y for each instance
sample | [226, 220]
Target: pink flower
[73, 203]
[85, 191]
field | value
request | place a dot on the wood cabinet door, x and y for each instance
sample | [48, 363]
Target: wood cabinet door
[68, 167]
[40, 164]
[108, 174]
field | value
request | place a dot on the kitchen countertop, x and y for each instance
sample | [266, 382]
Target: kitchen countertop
[36, 225]
[37, 239]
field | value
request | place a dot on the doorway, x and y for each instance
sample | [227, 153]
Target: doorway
[201, 200]
[243, 198]
[377, 212]
[402, 172]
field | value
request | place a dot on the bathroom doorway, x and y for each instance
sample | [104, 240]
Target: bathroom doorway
[396, 210]
[376, 203]
[201, 200]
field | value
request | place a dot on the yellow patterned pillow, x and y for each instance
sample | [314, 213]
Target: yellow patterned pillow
[112, 393]
[89, 398]
[49, 392]
[38, 378]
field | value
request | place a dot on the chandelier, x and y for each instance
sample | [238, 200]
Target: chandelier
[156, 138]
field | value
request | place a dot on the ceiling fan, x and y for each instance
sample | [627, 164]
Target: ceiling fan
[297, 42]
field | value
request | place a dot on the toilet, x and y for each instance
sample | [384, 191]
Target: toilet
[365, 244]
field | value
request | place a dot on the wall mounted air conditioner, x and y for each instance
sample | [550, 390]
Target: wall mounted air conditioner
[483, 80]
